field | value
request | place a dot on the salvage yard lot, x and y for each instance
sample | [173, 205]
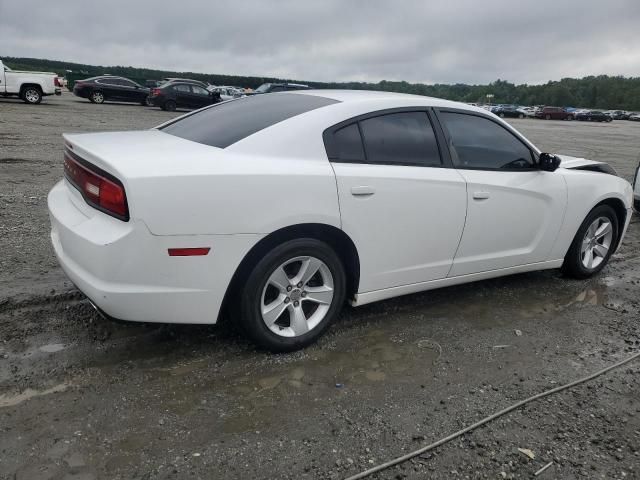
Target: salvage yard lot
[82, 395]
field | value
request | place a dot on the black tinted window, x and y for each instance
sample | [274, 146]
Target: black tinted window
[182, 88]
[277, 88]
[226, 123]
[404, 138]
[199, 90]
[480, 143]
[348, 144]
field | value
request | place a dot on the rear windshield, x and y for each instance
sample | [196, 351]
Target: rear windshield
[229, 122]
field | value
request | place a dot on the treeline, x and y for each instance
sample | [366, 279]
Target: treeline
[603, 91]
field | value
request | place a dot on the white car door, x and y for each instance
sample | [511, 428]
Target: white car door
[400, 202]
[515, 210]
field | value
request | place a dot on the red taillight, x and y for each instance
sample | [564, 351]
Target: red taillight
[156, 92]
[56, 82]
[106, 194]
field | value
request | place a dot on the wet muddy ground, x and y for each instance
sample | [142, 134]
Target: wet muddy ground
[86, 398]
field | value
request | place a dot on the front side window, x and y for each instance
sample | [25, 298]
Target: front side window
[404, 138]
[479, 143]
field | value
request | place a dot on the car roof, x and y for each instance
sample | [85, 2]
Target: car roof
[375, 96]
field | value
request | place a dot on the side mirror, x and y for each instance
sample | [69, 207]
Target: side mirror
[548, 162]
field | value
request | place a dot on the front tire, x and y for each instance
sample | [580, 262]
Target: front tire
[593, 244]
[292, 295]
[32, 95]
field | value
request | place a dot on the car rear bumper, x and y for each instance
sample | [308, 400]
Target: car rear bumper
[127, 272]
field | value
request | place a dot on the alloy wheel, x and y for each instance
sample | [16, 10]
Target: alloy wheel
[596, 243]
[32, 95]
[297, 296]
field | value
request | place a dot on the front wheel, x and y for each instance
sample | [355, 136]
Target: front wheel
[593, 244]
[570, 117]
[521, 115]
[32, 95]
[292, 295]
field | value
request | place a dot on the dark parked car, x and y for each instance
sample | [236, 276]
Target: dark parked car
[278, 87]
[554, 113]
[174, 94]
[593, 116]
[509, 111]
[109, 87]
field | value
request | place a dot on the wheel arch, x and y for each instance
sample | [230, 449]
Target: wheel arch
[621, 212]
[24, 86]
[333, 236]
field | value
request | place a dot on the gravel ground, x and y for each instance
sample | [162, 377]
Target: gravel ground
[86, 398]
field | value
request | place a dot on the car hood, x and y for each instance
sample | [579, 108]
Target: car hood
[568, 161]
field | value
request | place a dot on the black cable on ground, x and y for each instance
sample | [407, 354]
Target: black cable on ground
[408, 456]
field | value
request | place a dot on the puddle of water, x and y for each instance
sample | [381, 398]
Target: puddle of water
[12, 400]
[258, 393]
[52, 347]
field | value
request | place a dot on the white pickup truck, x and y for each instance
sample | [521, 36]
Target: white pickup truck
[29, 86]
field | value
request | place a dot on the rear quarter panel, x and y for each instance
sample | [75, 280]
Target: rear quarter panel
[249, 195]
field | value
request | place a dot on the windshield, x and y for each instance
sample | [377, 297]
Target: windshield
[263, 88]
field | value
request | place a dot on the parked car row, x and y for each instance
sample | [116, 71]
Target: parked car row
[168, 94]
[560, 113]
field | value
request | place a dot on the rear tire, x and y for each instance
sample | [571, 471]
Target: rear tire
[169, 106]
[32, 95]
[547, 117]
[292, 295]
[593, 244]
[521, 115]
[570, 117]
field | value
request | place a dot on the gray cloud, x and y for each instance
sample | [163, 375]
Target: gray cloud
[451, 41]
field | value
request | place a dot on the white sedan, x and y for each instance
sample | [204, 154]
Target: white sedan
[283, 206]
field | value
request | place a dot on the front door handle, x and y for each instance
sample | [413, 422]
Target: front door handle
[362, 191]
[481, 195]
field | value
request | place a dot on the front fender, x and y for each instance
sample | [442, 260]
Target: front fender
[585, 190]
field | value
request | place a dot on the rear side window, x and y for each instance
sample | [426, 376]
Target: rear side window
[479, 143]
[348, 144]
[405, 138]
[182, 88]
[229, 122]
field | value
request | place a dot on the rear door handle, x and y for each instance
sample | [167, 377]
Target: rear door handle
[481, 195]
[362, 191]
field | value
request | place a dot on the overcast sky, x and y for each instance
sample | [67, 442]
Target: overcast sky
[468, 41]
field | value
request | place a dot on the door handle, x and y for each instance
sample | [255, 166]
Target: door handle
[481, 195]
[362, 191]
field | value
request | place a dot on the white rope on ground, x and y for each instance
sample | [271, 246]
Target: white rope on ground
[408, 456]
